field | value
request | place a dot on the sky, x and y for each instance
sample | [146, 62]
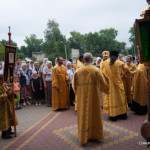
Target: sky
[28, 17]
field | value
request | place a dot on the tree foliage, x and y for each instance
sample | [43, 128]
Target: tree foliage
[2, 50]
[96, 42]
[33, 45]
[132, 40]
[6, 42]
[55, 41]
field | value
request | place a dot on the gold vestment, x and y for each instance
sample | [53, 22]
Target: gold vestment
[115, 104]
[140, 85]
[88, 81]
[60, 99]
[78, 65]
[6, 108]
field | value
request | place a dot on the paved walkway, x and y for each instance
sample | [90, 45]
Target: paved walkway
[40, 128]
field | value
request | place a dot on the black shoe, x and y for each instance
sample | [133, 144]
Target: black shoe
[129, 104]
[6, 135]
[10, 131]
[112, 119]
[122, 117]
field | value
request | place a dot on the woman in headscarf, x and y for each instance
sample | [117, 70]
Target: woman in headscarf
[70, 76]
[47, 79]
[98, 61]
[42, 67]
[1, 69]
[31, 67]
[25, 84]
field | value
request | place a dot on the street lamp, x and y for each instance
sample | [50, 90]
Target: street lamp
[65, 49]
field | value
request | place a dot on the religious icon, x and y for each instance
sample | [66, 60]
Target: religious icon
[11, 58]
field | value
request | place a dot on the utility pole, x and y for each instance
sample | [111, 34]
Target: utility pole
[65, 49]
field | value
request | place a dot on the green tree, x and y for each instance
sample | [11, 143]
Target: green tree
[54, 41]
[107, 37]
[93, 43]
[2, 51]
[6, 42]
[77, 41]
[97, 42]
[20, 55]
[33, 45]
[132, 40]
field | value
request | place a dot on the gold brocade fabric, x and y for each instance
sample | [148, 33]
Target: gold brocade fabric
[6, 108]
[115, 104]
[128, 83]
[78, 65]
[140, 85]
[60, 99]
[88, 81]
[101, 64]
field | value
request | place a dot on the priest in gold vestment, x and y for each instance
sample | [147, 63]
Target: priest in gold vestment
[78, 65]
[105, 55]
[88, 82]
[116, 104]
[6, 110]
[60, 91]
[128, 80]
[140, 90]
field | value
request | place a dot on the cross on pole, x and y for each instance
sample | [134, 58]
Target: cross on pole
[9, 34]
[9, 29]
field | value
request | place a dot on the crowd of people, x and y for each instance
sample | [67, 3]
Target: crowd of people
[33, 83]
[112, 85]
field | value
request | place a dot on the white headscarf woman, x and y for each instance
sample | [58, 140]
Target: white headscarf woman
[98, 61]
[47, 79]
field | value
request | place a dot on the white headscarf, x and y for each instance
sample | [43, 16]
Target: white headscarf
[34, 72]
[2, 64]
[23, 64]
[45, 59]
[97, 59]
[68, 63]
[48, 62]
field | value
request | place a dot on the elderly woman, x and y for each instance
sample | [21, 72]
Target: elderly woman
[42, 67]
[36, 66]
[25, 84]
[98, 61]
[47, 79]
[70, 75]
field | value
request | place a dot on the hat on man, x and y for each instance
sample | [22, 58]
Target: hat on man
[105, 53]
[114, 53]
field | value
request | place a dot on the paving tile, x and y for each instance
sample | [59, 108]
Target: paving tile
[58, 130]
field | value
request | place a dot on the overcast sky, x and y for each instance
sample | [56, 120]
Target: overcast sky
[31, 16]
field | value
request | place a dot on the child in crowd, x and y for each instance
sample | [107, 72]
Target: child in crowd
[36, 87]
[17, 92]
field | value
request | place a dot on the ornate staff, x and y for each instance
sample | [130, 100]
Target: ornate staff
[10, 53]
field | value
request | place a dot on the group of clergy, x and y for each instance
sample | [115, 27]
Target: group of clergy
[119, 84]
[123, 85]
